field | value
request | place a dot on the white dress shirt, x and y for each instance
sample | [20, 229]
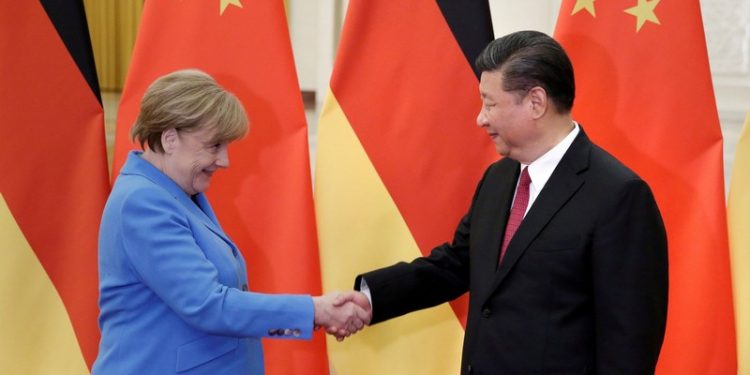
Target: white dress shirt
[541, 169]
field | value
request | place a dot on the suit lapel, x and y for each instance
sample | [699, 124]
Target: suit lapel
[564, 182]
[502, 187]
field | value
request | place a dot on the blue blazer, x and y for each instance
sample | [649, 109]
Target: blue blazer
[173, 288]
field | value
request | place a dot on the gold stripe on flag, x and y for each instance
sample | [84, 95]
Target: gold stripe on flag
[348, 186]
[738, 212]
[37, 336]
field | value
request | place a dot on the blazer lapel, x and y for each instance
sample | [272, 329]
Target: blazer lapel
[199, 208]
[562, 185]
[209, 219]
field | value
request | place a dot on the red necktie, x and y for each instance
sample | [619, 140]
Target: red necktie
[517, 211]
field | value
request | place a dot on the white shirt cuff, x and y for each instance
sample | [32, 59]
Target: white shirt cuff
[366, 290]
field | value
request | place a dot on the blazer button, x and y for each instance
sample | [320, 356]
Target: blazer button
[296, 332]
[273, 332]
[244, 287]
[469, 369]
[486, 312]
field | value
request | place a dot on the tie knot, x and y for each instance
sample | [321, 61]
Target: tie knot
[525, 178]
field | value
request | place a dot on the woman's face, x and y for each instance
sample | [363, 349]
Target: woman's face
[193, 159]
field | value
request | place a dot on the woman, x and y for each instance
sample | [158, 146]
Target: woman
[173, 288]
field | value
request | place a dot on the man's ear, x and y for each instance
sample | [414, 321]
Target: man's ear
[538, 101]
[169, 140]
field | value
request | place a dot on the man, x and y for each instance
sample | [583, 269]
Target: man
[563, 250]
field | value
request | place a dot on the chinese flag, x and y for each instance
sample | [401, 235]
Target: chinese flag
[264, 200]
[52, 190]
[738, 211]
[399, 156]
[645, 94]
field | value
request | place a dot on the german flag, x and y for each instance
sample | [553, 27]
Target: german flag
[738, 211]
[645, 94]
[52, 190]
[264, 200]
[399, 156]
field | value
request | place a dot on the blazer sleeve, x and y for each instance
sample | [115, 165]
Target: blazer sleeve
[630, 282]
[160, 245]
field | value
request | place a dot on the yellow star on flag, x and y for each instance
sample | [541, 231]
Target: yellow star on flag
[644, 11]
[225, 3]
[584, 4]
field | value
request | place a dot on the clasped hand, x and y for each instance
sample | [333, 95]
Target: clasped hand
[342, 314]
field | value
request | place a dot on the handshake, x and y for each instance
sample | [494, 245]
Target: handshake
[342, 314]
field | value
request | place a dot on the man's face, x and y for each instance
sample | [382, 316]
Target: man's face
[505, 116]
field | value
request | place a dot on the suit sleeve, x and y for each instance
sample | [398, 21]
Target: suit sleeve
[630, 282]
[426, 281]
[159, 243]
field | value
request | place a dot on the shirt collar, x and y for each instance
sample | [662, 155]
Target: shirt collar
[541, 169]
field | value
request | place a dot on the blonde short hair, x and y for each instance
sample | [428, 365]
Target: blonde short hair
[188, 100]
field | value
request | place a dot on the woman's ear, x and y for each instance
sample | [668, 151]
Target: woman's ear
[169, 140]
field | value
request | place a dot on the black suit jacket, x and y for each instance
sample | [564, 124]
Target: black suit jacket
[582, 288]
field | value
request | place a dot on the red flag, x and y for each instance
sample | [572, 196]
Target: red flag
[645, 94]
[52, 189]
[264, 200]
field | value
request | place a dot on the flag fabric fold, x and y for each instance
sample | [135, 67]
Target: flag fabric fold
[738, 211]
[264, 199]
[54, 184]
[399, 156]
[644, 93]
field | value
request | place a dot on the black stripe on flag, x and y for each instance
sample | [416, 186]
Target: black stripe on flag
[69, 18]
[471, 24]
